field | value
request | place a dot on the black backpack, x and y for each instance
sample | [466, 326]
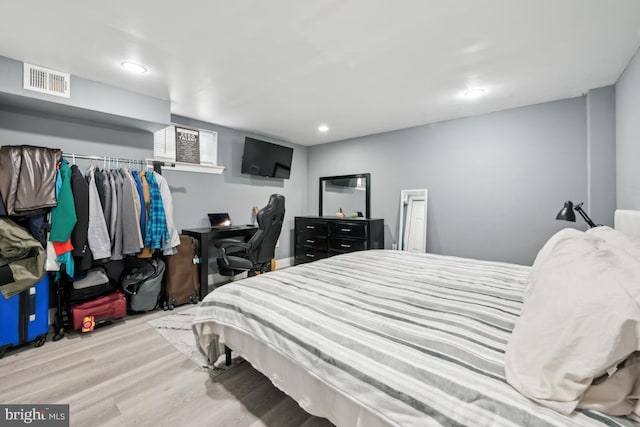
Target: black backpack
[142, 282]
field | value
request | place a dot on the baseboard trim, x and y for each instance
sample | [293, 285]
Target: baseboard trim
[284, 263]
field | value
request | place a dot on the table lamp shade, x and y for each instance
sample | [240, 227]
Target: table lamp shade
[567, 213]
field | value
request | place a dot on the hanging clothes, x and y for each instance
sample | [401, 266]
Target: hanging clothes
[98, 236]
[116, 244]
[99, 177]
[143, 210]
[140, 208]
[146, 194]
[147, 252]
[51, 263]
[157, 233]
[3, 209]
[106, 207]
[63, 216]
[130, 220]
[80, 233]
[63, 219]
[114, 208]
[167, 202]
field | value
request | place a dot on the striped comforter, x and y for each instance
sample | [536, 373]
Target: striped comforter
[416, 339]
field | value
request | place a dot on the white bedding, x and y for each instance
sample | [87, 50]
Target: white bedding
[580, 320]
[385, 338]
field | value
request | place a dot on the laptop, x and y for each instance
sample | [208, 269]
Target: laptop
[219, 219]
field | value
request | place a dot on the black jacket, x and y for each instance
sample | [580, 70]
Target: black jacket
[79, 235]
[3, 210]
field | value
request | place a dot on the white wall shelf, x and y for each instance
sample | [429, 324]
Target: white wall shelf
[188, 167]
[164, 149]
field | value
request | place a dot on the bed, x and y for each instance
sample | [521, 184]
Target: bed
[385, 338]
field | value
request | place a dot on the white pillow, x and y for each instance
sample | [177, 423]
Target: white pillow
[580, 319]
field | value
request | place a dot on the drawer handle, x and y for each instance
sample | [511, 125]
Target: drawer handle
[345, 229]
[310, 241]
[310, 255]
[311, 227]
[342, 245]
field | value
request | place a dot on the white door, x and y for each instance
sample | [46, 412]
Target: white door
[413, 221]
[415, 235]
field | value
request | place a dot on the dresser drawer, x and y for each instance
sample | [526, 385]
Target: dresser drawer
[311, 227]
[347, 245]
[307, 255]
[311, 241]
[348, 229]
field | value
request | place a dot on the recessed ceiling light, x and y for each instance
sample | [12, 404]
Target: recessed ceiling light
[323, 128]
[133, 67]
[473, 93]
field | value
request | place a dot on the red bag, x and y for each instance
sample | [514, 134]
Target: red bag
[101, 310]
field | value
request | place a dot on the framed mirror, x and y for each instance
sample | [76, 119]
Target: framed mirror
[346, 194]
[412, 232]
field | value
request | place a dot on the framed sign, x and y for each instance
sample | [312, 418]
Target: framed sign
[187, 145]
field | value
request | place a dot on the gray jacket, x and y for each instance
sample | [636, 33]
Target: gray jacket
[106, 207]
[98, 236]
[116, 247]
[130, 219]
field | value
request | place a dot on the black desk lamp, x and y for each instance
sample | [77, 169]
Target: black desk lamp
[567, 214]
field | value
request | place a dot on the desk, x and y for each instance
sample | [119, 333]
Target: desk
[208, 235]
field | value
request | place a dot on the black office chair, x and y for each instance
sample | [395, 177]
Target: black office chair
[255, 255]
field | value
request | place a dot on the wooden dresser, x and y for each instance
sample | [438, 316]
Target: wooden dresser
[320, 237]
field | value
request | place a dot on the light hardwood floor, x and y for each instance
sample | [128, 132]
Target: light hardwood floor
[126, 374]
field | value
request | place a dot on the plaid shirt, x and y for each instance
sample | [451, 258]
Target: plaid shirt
[157, 233]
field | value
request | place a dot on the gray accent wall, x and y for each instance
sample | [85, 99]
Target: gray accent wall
[601, 155]
[194, 194]
[89, 99]
[628, 136]
[234, 192]
[495, 181]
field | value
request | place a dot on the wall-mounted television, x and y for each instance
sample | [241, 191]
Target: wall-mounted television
[266, 159]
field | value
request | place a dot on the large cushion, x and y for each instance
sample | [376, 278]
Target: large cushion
[580, 319]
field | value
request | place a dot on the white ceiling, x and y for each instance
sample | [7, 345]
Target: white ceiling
[283, 67]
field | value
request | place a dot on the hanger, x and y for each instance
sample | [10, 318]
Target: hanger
[73, 158]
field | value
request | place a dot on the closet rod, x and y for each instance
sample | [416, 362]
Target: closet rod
[115, 159]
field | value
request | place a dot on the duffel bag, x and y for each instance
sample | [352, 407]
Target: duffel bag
[95, 284]
[142, 283]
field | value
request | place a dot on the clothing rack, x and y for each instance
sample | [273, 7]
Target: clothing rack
[150, 163]
[109, 159]
[154, 164]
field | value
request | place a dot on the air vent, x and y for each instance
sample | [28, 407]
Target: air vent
[44, 80]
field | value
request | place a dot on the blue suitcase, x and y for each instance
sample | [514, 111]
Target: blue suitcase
[25, 317]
